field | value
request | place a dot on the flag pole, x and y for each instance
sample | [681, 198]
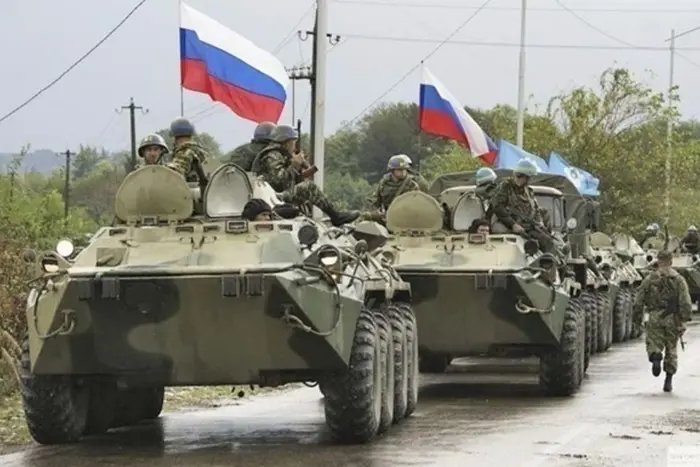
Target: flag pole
[521, 78]
[179, 38]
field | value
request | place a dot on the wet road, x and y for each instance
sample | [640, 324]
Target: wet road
[472, 417]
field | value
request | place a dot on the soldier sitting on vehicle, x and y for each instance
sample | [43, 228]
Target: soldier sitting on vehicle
[244, 155]
[286, 170]
[691, 240]
[152, 149]
[188, 155]
[651, 231]
[257, 210]
[422, 183]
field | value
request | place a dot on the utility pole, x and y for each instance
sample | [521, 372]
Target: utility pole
[669, 122]
[317, 79]
[132, 122]
[521, 78]
[297, 74]
[66, 185]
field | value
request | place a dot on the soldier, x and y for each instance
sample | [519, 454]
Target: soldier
[546, 220]
[257, 210]
[394, 183]
[652, 230]
[188, 155]
[422, 182]
[244, 155]
[485, 185]
[665, 295]
[691, 240]
[152, 149]
[282, 168]
[514, 203]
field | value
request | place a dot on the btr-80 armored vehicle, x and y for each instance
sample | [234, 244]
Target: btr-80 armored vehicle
[480, 295]
[171, 297]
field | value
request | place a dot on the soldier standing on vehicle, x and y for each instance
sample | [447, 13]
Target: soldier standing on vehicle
[244, 155]
[286, 171]
[664, 294]
[188, 155]
[422, 182]
[652, 230]
[394, 183]
[152, 149]
[691, 240]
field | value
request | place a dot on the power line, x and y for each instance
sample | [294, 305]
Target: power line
[456, 6]
[408, 73]
[76, 63]
[293, 31]
[424, 40]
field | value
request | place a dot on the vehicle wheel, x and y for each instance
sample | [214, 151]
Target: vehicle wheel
[129, 407]
[387, 356]
[589, 305]
[561, 368]
[400, 333]
[412, 358]
[153, 402]
[619, 317]
[353, 397]
[55, 407]
[101, 408]
[636, 331]
[603, 313]
[608, 323]
[628, 315]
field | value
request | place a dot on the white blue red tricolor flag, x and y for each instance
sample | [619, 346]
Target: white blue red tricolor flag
[217, 61]
[441, 114]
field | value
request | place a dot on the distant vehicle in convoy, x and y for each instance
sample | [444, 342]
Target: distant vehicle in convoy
[182, 291]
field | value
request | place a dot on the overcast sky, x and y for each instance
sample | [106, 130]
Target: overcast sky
[40, 38]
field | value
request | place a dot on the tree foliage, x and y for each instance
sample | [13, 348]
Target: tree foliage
[616, 130]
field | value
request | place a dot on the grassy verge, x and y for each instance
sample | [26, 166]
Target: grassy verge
[13, 429]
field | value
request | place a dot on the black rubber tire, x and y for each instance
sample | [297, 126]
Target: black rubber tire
[154, 398]
[619, 317]
[609, 324]
[603, 321]
[102, 407]
[413, 382]
[55, 407]
[400, 334]
[387, 353]
[353, 397]
[590, 307]
[561, 369]
[129, 407]
[636, 331]
[628, 315]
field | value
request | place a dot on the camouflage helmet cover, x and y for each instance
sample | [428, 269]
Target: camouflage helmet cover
[181, 127]
[152, 139]
[407, 159]
[398, 162]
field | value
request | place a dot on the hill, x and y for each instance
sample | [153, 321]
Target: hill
[42, 160]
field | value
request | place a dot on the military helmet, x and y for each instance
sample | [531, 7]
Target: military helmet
[655, 227]
[665, 256]
[283, 133]
[181, 127]
[407, 159]
[650, 228]
[692, 228]
[263, 131]
[254, 207]
[525, 167]
[398, 162]
[485, 175]
[152, 139]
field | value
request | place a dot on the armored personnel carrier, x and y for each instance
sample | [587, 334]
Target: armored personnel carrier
[618, 268]
[172, 297]
[478, 295]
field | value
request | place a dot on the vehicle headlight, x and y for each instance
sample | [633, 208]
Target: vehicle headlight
[65, 248]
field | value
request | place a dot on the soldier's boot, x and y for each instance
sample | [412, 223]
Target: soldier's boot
[338, 218]
[668, 383]
[655, 360]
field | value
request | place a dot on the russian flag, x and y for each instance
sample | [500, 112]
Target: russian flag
[229, 68]
[441, 114]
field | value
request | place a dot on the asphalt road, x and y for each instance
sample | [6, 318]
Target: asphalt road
[481, 414]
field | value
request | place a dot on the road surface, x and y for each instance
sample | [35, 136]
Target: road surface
[474, 416]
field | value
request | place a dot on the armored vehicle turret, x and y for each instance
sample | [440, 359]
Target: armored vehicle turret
[170, 297]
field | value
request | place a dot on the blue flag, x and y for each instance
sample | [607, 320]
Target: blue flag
[584, 181]
[509, 155]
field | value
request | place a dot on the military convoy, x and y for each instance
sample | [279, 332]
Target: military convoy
[182, 291]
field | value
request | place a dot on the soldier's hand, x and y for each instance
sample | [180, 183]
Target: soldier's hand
[518, 229]
[299, 158]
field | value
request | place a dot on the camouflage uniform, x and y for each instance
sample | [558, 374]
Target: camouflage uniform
[513, 204]
[546, 220]
[244, 155]
[274, 165]
[485, 186]
[422, 182]
[390, 187]
[185, 156]
[665, 295]
[691, 240]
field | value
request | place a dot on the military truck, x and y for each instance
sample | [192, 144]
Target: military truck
[170, 297]
[477, 295]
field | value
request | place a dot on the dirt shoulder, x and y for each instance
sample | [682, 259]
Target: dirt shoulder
[13, 429]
